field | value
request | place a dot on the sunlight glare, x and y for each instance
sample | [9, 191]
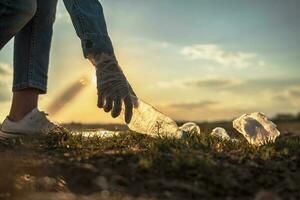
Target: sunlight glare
[94, 80]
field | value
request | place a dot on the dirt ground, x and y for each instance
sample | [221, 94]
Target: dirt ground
[133, 166]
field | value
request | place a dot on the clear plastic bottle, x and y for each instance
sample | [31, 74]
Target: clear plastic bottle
[147, 120]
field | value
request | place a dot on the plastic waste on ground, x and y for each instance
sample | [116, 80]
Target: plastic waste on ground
[256, 128]
[220, 133]
[148, 120]
[96, 133]
[188, 129]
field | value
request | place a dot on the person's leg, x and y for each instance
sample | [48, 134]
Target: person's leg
[19, 107]
[31, 59]
[14, 15]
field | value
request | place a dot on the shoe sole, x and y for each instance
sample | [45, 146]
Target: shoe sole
[5, 135]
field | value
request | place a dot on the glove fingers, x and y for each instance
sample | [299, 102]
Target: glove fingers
[128, 109]
[100, 101]
[117, 107]
[108, 104]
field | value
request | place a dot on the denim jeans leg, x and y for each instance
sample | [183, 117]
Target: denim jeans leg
[32, 49]
[89, 22]
[14, 15]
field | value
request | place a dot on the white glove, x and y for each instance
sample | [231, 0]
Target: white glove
[113, 87]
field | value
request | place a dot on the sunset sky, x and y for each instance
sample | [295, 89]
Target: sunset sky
[193, 60]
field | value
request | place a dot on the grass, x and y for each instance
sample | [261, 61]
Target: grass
[134, 166]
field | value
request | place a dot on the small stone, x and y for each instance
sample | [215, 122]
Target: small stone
[256, 128]
[220, 133]
[88, 167]
[101, 181]
[105, 194]
[46, 183]
[25, 182]
[61, 183]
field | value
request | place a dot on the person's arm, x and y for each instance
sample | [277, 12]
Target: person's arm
[113, 88]
[89, 22]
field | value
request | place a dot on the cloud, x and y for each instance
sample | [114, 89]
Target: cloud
[199, 83]
[272, 90]
[168, 84]
[295, 93]
[4, 97]
[148, 43]
[289, 97]
[64, 17]
[194, 105]
[5, 94]
[213, 82]
[164, 44]
[212, 52]
[5, 69]
[5, 78]
[286, 86]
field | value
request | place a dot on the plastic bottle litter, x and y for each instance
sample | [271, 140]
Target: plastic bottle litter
[189, 128]
[256, 128]
[96, 133]
[147, 120]
[220, 133]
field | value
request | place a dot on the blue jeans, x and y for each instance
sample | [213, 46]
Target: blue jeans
[31, 21]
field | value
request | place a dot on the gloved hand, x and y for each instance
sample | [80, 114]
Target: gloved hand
[113, 87]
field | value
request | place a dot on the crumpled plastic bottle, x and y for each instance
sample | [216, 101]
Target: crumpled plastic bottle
[256, 128]
[147, 120]
[188, 129]
[220, 133]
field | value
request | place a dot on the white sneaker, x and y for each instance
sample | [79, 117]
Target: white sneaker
[34, 123]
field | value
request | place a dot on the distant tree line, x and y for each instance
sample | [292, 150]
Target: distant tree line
[286, 117]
